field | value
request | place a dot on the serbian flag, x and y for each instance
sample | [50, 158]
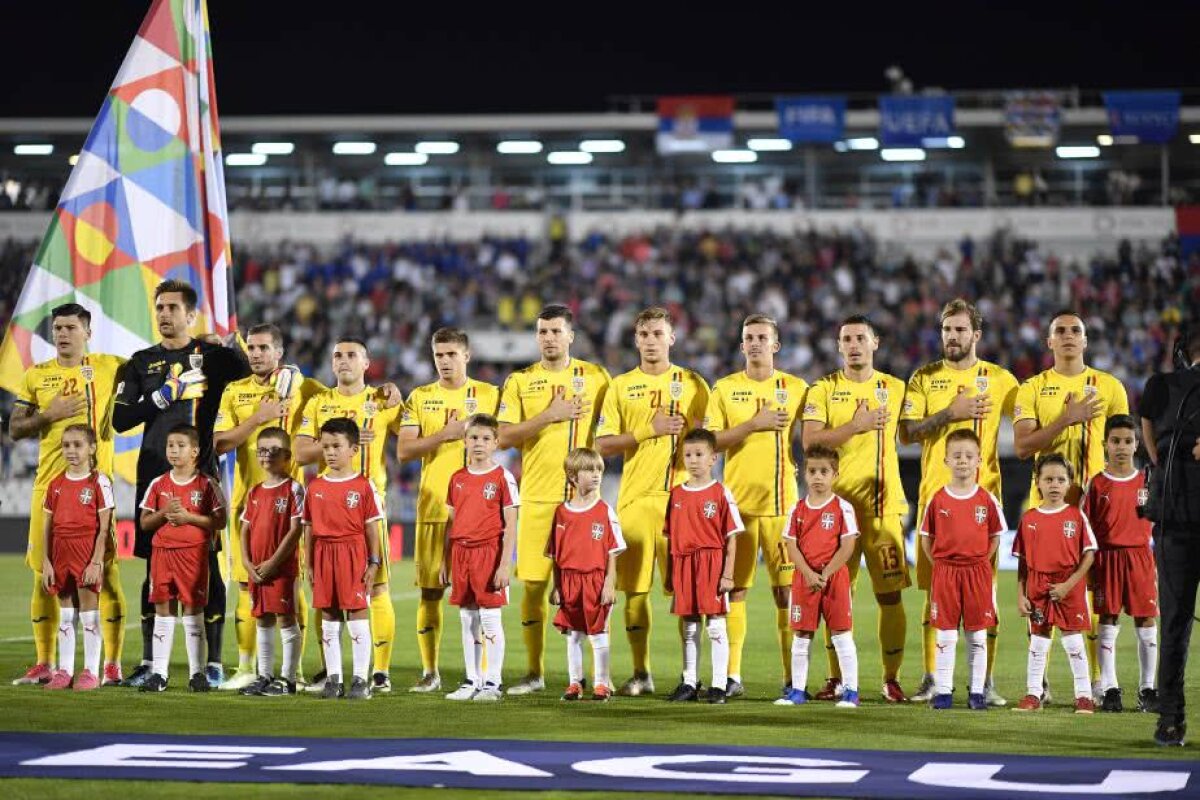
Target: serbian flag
[694, 123]
[144, 202]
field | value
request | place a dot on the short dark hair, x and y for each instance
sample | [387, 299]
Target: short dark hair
[860, 319]
[762, 319]
[1119, 422]
[556, 311]
[962, 435]
[190, 298]
[190, 431]
[1067, 312]
[483, 421]
[277, 433]
[820, 452]
[1053, 459]
[451, 336]
[267, 327]
[351, 340]
[341, 426]
[701, 435]
[72, 310]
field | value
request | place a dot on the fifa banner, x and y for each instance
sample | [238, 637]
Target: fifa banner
[1152, 117]
[694, 124]
[1032, 119]
[145, 202]
[811, 119]
[906, 121]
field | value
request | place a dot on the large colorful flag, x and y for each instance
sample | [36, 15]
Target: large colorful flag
[694, 124]
[145, 202]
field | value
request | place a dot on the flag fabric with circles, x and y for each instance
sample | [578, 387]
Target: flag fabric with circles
[145, 202]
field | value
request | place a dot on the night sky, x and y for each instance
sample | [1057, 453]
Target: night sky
[386, 58]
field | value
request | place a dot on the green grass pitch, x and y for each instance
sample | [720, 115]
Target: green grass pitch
[748, 721]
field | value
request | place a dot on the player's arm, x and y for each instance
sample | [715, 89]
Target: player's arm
[560, 409]
[767, 419]
[659, 425]
[410, 444]
[1148, 441]
[1060, 590]
[501, 578]
[608, 594]
[286, 548]
[153, 519]
[447, 546]
[307, 538]
[374, 532]
[233, 438]
[213, 521]
[27, 421]
[47, 565]
[726, 582]
[1030, 438]
[251, 568]
[1024, 608]
[308, 450]
[840, 556]
[995, 547]
[961, 408]
[811, 579]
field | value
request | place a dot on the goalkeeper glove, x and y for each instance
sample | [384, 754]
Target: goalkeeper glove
[180, 385]
[287, 380]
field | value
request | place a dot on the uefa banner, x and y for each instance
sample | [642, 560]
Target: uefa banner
[1153, 117]
[811, 119]
[906, 121]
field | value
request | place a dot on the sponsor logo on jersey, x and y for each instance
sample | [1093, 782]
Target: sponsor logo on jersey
[710, 509]
[597, 531]
[489, 490]
[827, 520]
[1069, 529]
[353, 499]
[196, 497]
[980, 514]
[85, 496]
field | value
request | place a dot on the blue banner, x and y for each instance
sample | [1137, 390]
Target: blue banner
[1152, 117]
[597, 766]
[811, 119]
[905, 120]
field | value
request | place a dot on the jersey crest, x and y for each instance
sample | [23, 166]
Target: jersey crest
[781, 396]
[197, 497]
[353, 499]
[597, 531]
[370, 408]
[85, 496]
[470, 405]
[195, 360]
[489, 491]
[981, 384]
[88, 372]
[280, 505]
[827, 520]
[1069, 529]
[881, 396]
[578, 384]
[1143, 495]
[675, 389]
[710, 509]
[980, 514]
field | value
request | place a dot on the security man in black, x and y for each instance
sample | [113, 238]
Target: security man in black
[1170, 411]
[179, 380]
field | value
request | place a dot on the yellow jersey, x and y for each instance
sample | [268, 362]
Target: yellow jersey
[760, 490]
[526, 394]
[631, 402]
[931, 390]
[96, 379]
[1041, 399]
[869, 466]
[368, 412]
[428, 409]
[239, 402]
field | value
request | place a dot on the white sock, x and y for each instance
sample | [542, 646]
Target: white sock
[718, 639]
[360, 646]
[493, 644]
[1106, 654]
[1035, 673]
[575, 656]
[1147, 655]
[331, 645]
[246, 661]
[691, 650]
[265, 640]
[291, 652]
[943, 676]
[193, 631]
[66, 640]
[164, 638]
[977, 660]
[600, 654]
[847, 655]
[471, 644]
[1073, 645]
[800, 647]
[92, 641]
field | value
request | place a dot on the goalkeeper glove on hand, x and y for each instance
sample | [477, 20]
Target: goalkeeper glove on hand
[287, 380]
[180, 385]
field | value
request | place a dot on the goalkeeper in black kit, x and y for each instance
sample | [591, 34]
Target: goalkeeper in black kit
[179, 380]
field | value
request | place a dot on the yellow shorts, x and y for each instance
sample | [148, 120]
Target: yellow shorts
[925, 568]
[429, 544]
[35, 550]
[533, 534]
[881, 542]
[385, 554]
[766, 534]
[237, 568]
[642, 526]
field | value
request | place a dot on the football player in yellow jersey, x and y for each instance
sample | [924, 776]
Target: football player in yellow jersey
[546, 409]
[856, 410]
[959, 391]
[369, 408]
[754, 414]
[431, 429]
[270, 396]
[645, 414]
[1062, 410]
[74, 387]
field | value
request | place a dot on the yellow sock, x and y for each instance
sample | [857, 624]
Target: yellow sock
[637, 629]
[302, 624]
[992, 637]
[247, 629]
[893, 627]
[383, 628]
[835, 668]
[735, 622]
[929, 641]
[112, 613]
[43, 613]
[429, 633]
[535, 605]
[784, 628]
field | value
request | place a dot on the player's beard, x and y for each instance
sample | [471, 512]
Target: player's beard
[955, 355]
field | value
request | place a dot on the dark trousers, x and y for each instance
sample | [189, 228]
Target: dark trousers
[1177, 552]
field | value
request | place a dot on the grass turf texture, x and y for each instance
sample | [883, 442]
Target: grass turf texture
[747, 721]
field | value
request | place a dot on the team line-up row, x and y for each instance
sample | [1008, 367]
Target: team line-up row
[652, 416]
